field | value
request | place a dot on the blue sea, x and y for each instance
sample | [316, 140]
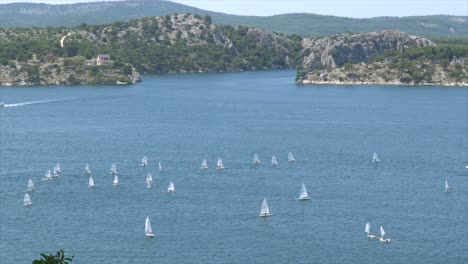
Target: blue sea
[420, 134]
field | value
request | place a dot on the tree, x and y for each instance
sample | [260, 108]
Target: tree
[58, 258]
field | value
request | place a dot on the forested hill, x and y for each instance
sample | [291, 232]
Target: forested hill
[42, 15]
[167, 44]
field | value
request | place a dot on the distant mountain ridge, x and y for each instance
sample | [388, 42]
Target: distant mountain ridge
[42, 15]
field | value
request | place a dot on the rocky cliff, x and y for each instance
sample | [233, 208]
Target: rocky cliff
[387, 57]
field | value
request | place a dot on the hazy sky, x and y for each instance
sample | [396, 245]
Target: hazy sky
[349, 8]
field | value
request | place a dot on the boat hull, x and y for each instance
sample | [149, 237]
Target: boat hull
[304, 198]
[151, 235]
[264, 215]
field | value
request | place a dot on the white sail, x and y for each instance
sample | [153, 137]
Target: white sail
[303, 193]
[171, 187]
[149, 177]
[264, 211]
[86, 169]
[160, 166]
[30, 185]
[375, 157]
[447, 187]
[204, 165]
[274, 161]
[144, 161]
[113, 169]
[220, 164]
[291, 157]
[54, 173]
[382, 232]
[367, 230]
[116, 181]
[48, 175]
[27, 200]
[148, 183]
[91, 182]
[57, 168]
[256, 160]
[148, 230]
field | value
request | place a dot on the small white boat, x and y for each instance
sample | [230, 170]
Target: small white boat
[57, 168]
[144, 161]
[87, 171]
[220, 165]
[382, 236]
[447, 187]
[27, 200]
[256, 160]
[375, 157]
[171, 188]
[160, 166]
[149, 177]
[274, 161]
[48, 175]
[303, 194]
[91, 182]
[148, 230]
[113, 169]
[30, 185]
[367, 230]
[116, 181]
[204, 165]
[54, 173]
[149, 180]
[264, 211]
[148, 184]
[291, 157]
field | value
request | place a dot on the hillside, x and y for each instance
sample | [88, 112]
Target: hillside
[387, 57]
[168, 44]
[42, 15]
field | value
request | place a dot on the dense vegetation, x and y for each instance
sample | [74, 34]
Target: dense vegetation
[27, 15]
[420, 64]
[179, 43]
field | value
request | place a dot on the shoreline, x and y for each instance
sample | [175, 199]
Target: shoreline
[345, 83]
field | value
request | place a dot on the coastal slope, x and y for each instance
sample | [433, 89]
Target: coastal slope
[386, 57]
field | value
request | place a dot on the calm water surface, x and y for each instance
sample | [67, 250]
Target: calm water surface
[420, 134]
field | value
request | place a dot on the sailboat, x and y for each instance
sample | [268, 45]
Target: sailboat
[220, 164]
[30, 185]
[91, 182]
[256, 160]
[87, 171]
[54, 172]
[27, 200]
[160, 166]
[367, 230]
[113, 169]
[375, 157]
[303, 194]
[291, 157]
[148, 230]
[204, 165]
[144, 161]
[447, 187]
[171, 188]
[57, 168]
[149, 177]
[149, 180]
[274, 161]
[264, 211]
[116, 181]
[48, 175]
[382, 236]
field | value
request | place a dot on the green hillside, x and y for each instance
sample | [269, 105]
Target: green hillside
[42, 15]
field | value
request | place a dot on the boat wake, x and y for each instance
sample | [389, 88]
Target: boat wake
[31, 103]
